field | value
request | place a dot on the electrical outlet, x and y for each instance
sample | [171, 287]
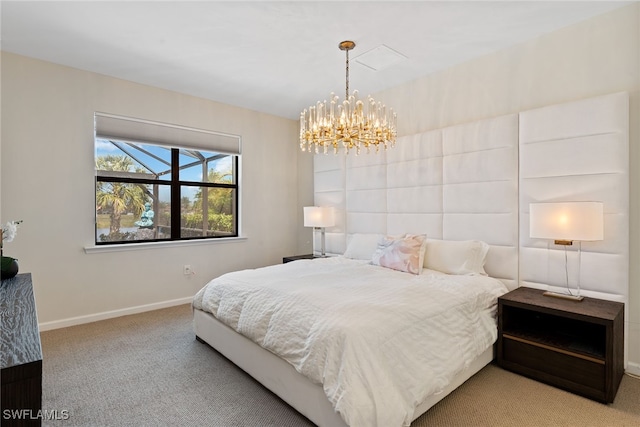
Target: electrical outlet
[186, 270]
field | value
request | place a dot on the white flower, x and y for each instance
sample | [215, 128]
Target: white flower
[9, 230]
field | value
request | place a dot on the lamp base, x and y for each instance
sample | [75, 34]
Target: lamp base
[576, 298]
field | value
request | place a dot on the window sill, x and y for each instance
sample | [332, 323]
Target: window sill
[159, 245]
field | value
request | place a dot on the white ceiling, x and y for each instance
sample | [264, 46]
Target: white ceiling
[274, 56]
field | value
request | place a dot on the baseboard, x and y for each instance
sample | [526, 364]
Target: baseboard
[633, 368]
[73, 321]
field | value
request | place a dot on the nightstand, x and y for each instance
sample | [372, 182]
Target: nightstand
[576, 346]
[297, 257]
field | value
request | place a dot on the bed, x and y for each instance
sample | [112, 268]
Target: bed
[348, 342]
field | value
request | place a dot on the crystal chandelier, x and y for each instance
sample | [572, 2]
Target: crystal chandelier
[350, 124]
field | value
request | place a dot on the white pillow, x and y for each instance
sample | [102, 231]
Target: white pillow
[456, 257]
[362, 246]
[402, 254]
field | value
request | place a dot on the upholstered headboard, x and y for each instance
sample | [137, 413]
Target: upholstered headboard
[456, 183]
[476, 180]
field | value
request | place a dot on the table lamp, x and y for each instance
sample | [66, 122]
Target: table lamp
[319, 218]
[565, 223]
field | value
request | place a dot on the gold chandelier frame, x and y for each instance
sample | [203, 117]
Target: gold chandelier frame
[351, 124]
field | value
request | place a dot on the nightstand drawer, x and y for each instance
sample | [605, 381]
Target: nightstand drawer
[584, 375]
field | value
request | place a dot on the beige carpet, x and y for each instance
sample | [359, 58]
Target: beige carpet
[148, 370]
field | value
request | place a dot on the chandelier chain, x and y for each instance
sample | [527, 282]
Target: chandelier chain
[346, 92]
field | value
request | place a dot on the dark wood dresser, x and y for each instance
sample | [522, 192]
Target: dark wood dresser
[577, 346]
[20, 354]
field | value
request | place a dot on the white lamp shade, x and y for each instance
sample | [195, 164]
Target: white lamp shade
[583, 221]
[316, 216]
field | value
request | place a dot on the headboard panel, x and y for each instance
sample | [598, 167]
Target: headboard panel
[366, 195]
[414, 185]
[578, 151]
[480, 190]
[330, 190]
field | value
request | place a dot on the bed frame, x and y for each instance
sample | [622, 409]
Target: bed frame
[470, 181]
[281, 378]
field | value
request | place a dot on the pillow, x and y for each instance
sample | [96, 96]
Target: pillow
[362, 246]
[456, 257]
[402, 254]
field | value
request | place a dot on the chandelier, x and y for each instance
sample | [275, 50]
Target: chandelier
[351, 124]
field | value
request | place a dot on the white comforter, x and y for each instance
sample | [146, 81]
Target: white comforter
[378, 340]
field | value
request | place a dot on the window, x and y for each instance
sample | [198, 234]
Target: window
[157, 182]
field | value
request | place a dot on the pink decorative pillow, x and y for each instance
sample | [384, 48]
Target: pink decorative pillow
[401, 253]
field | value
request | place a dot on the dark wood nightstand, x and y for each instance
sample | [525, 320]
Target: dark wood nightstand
[297, 257]
[577, 346]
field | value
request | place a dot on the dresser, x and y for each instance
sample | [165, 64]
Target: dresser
[20, 354]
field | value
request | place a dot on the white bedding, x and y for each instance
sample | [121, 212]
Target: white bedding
[378, 340]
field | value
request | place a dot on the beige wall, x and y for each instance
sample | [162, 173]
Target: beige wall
[595, 57]
[47, 181]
